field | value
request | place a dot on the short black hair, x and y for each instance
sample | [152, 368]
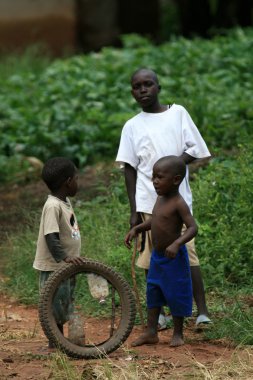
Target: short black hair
[175, 164]
[149, 71]
[56, 171]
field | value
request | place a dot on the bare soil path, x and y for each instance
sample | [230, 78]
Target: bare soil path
[22, 342]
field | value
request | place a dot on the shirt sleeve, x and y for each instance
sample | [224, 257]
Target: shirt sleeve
[55, 247]
[51, 220]
[194, 144]
[126, 151]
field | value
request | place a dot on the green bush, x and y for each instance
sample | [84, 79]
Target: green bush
[76, 107]
[223, 198]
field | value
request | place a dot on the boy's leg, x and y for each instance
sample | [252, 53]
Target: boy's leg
[144, 261]
[150, 336]
[177, 338]
[162, 319]
[42, 280]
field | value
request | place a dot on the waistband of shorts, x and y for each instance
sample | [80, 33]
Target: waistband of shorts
[182, 248]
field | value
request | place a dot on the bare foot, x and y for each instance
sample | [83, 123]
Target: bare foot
[176, 341]
[145, 339]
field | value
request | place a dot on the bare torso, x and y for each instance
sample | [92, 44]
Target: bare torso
[166, 222]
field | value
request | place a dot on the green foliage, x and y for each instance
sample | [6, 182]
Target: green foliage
[22, 280]
[223, 195]
[233, 316]
[76, 107]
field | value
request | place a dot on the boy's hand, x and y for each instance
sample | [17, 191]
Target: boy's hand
[172, 250]
[74, 260]
[135, 219]
[129, 237]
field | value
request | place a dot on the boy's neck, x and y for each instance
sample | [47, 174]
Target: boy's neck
[171, 194]
[155, 108]
[60, 195]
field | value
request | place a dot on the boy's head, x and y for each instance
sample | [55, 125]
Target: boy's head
[168, 173]
[58, 172]
[145, 87]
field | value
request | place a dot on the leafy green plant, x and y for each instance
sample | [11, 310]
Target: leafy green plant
[77, 106]
[223, 199]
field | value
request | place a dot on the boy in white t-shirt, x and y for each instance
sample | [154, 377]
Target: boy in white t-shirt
[158, 131]
[59, 238]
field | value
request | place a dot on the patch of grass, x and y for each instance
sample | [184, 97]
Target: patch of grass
[17, 336]
[21, 280]
[126, 369]
[62, 368]
[234, 322]
[239, 366]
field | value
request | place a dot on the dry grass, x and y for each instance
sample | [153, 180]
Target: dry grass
[9, 334]
[63, 368]
[239, 366]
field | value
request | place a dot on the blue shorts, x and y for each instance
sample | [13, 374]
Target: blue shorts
[169, 283]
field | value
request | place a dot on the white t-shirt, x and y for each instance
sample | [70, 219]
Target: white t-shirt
[147, 137]
[57, 216]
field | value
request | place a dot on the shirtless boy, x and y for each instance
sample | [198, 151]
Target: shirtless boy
[169, 276]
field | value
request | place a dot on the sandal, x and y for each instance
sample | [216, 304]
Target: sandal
[203, 320]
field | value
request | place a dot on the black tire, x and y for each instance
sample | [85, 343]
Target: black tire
[49, 325]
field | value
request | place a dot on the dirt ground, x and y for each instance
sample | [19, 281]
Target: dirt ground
[22, 343]
[21, 337]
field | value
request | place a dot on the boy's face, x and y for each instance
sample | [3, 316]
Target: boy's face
[163, 180]
[73, 185]
[145, 88]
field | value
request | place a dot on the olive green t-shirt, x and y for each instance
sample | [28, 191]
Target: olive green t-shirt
[57, 216]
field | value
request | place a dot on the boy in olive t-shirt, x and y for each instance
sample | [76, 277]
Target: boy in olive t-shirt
[59, 240]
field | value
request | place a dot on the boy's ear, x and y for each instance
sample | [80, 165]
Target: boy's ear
[177, 179]
[68, 181]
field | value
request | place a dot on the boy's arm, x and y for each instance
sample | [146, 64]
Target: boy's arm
[145, 226]
[55, 248]
[189, 233]
[130, 180]
[187, 158]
